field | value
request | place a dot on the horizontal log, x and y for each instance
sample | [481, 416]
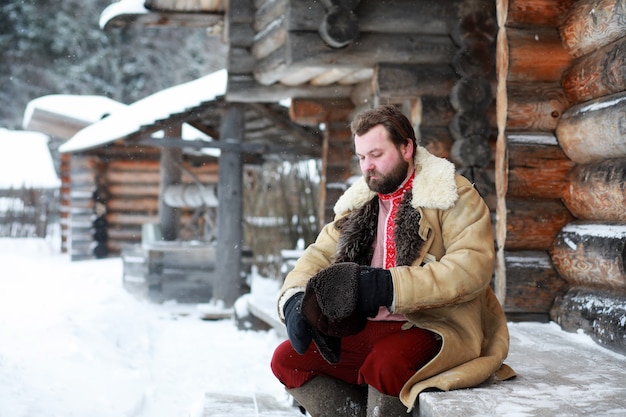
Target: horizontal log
[391, 16]
[268, 12]
[532, 283]
[128, 204]
[477, 26]
[533, 224]
[307, 49]
[437, 140]
[483, 180]
[313, 112]
[591, 253]
[244, 89]
[534, 106]
[472, 151]
[466, 124]
[477, 60]
[536, 54]
[413, 81]
[597, 74]
[538, 168]
[592, 24]
[596, 191]
[339, 27]
[471, 94]
[595, 130]
[523, 13]
[599, 313]
[435, 111]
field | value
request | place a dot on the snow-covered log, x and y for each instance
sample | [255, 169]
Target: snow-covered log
[592, 254]
[532, 283]
[595, 130]
[600, 313]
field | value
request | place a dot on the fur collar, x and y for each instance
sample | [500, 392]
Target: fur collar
[434, 186]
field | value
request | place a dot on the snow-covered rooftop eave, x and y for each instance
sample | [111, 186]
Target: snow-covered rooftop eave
[127, 12]
[159, 106]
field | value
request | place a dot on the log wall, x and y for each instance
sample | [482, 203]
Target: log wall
[108, 195]
[531, 169]
[589, 252]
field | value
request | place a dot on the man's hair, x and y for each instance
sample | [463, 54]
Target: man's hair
[395, 123]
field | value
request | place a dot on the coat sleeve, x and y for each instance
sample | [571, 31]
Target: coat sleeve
[315, 258]
[461, 239]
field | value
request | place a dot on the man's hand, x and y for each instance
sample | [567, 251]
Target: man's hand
[298, 329]
[375, 290]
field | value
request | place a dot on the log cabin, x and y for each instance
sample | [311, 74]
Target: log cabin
[525, 97]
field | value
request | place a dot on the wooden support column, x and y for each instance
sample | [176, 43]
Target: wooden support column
[227, 283]
[171, 174]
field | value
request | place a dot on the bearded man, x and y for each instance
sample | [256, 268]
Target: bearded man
[394, 296]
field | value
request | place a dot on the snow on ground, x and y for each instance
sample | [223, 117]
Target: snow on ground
[73, 342]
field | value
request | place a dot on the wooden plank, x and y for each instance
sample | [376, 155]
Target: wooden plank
[597, 192]
[591, 253]
[598, 74]
[594, 131]
[592, 24]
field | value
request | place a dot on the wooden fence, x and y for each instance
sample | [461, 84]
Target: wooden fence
[27, 212]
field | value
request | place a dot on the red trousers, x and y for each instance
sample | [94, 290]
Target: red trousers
[382, 355]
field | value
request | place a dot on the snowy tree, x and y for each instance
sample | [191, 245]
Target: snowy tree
[59, 48]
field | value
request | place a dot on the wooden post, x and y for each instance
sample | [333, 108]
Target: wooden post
[226, 286]
[171, 173]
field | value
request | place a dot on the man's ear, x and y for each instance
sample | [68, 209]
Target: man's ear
[407, 152]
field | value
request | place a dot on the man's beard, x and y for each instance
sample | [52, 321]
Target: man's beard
[387, 184]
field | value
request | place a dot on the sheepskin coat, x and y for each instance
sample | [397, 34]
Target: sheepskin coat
[445, 259]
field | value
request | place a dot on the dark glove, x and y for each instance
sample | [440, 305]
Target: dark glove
[375, 290]
[298, 329]
[300, 332]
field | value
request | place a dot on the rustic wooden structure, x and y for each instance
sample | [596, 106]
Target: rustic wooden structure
[558, 84]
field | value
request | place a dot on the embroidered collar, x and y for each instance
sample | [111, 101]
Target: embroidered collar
[407, 185]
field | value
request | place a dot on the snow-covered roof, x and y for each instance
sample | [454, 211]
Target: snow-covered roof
[147, 111]
[25, 160]
[123, 7]
[82, 109]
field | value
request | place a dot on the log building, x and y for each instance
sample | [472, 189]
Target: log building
[527, 98]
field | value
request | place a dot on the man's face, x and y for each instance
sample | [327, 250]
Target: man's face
[384, 166]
